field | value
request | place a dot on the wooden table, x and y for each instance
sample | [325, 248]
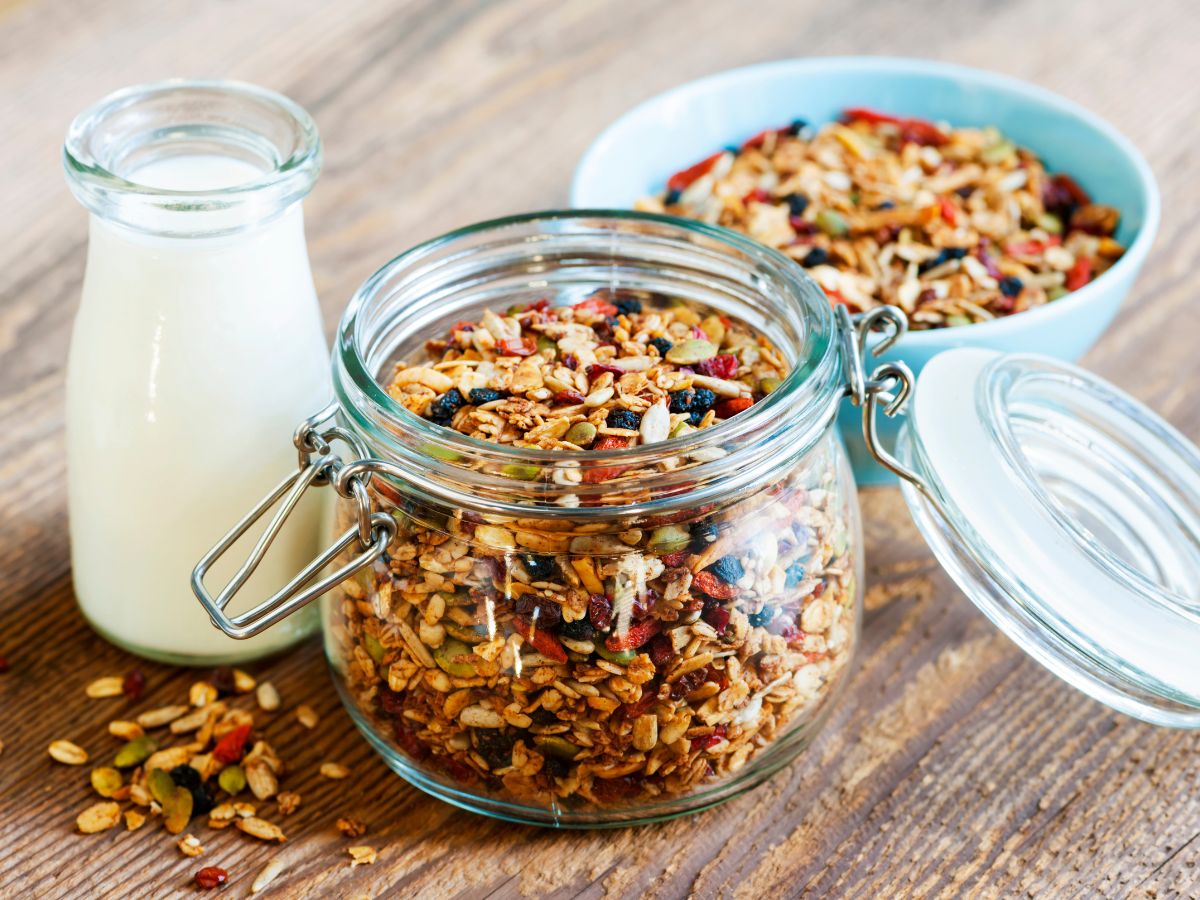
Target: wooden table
[955, 767]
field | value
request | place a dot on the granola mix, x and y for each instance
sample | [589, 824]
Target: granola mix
[569, 664]
[953, 225]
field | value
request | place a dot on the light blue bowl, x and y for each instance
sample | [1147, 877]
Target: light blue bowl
[635, 155]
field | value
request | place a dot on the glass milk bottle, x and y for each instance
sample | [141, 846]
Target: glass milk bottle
[197, 347]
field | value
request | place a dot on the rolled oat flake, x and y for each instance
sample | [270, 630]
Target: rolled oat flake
[1069, 513]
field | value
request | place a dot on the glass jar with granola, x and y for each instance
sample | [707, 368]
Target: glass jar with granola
[615, 573]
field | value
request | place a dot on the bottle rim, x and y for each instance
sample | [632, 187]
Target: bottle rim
[418, 292]
[143, 123]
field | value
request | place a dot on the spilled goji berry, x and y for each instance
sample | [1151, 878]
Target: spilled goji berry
[541, 640]
[134, 684]
[727, 409]
[724, 365]
[634, 637]
[232, 746]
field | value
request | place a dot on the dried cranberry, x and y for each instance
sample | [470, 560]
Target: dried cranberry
[568, 397]
[222, 680]
[724, 365]
[461, 773]
[596, 369]
[600, 611]
[674, 560]
[717, 617]
[571, 361]
[688, 683]
[641, 705]
[634, 637]
[709, 740]
[644, 605]
[211, 877]
[135, 683]
[390, 702]
[661, 650]
[406, 737]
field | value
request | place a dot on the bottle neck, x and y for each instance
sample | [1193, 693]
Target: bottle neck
[192, 159]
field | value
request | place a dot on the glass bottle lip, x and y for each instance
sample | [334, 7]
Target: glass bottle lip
[147, 122]
[785, 424]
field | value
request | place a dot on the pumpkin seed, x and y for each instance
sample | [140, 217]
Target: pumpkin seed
[691, 351]
[449, 658]
[620, 657]
[668, 539]
[463, 633]
[135, 752]
[106, 781]
[556, 746]
[161, 785]
[832, 223]
[520, 472]
[232, 780]
[581, 434]
[767, 385]
[177, 809]
[374, 648]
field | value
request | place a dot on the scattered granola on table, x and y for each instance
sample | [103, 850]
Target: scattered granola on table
[953, 225]
[571, 664]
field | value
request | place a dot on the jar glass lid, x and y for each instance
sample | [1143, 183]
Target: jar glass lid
[1069, 513]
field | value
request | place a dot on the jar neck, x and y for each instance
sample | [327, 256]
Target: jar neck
[189, 159]
[564, 256]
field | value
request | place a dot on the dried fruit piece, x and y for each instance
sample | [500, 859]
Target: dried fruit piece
[106, 781]
[189, 845]
[708, 583]
[67, 753]
[98, 817]
[636, 636]
[351, 827]
[211, 877]
[108, 686]
[362, 856]
[541, 640]
[134, 684]
[134, 820]
[232, 746]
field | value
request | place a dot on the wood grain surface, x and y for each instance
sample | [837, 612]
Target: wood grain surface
[954, 767]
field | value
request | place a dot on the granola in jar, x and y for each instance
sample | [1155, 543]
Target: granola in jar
[571, 662]
[954, 225]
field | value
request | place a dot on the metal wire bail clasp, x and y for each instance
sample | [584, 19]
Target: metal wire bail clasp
[889, 384]
[319, 465]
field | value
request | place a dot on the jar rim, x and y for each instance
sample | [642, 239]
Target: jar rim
[168, 116]
[788, 421]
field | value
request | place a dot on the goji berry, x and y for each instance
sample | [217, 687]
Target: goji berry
[134, 684]
[568, 397]
[870, 116]
[724, 365]
[542, 640]
[597, 305]
[708, 583]
[918, 131]
[211, 877]
[517, 347]
[1080, 274]
[600, 611]
[539, 305]
[758, 195]
[681, 179]
[727, 409]
[948, 210]
[606, 442]
[634, 637]
[232, 746]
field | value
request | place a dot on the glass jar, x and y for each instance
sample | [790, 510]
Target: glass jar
[197, 346]
[548, 643]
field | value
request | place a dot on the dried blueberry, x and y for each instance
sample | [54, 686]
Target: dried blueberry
[580, 630]
[703, 399]
[624, 418]
[728, 569]
[696, 416]
[965, 191]
[763, 616]
[797, 204]
[886, 204]
[681, 401]
[797, 126]
[202, 801]
[540, 568]
[794, 575]
[703, 534]
[186, 776]
[442, 409]
[817, 256]
[628, 305]
[943, 256]
[480, 396]
[1011, 286]
[494, 745]
[662, 344]
[543, 717]
[672, 198]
